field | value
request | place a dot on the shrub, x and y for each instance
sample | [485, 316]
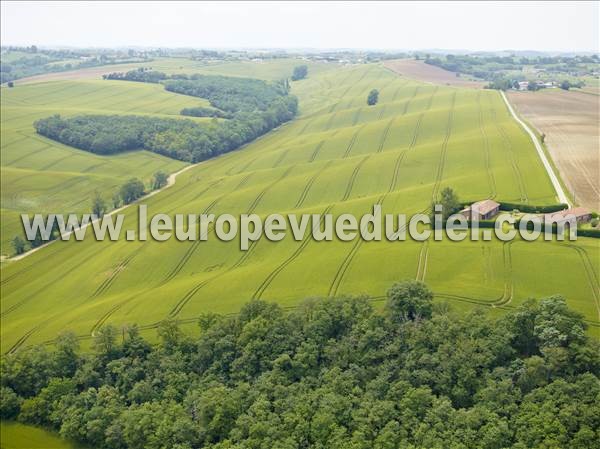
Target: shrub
[533, 209]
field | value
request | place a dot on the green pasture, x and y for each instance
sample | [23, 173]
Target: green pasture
[22, 436]
[339, 156]
[40, 175]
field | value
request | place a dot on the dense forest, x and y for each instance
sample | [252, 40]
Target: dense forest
[254, 107]
[332, 373]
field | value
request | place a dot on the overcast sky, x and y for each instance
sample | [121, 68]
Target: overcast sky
[568, 26]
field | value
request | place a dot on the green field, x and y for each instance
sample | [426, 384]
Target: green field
[41, 175]
[340, 156]
[21, 436]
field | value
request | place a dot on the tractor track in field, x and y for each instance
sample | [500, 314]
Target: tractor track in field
[260, 196]
[351, 73]
[352, 142]
[415, 136]
[57, 189]
[398, 89]
[354, 84]
[356, 116]
[273, 274]
[509, 147]
[40, 97]
[384, 136]
[430, 99]
[440, 170]
[316, 151]
[92, 167]
[210, 186]
[25, 337]
[330, 121]
[509, 288]
[371, 298]
[591, 274]
[104, 318]
[346, 263]
[515, 167]
[409, 101]
[54, 162]
[308, 122]
[343, 268]
[229, 171]
[507, 295]
[13, 142]
[396, 172]
[353, 177]
[193, 247]
[486, 150]
[181, 263]
[25, 156]
[46, 285]
[7, 279]
[281, 158]
[513, 162]
[423, 259]
[178, 307]
[381, 113]
[309, 185]
[109, 281]
[246, 254]
[243, 181]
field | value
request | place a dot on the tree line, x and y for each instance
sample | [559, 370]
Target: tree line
[130, 191]
[333, 373]
[255, 107]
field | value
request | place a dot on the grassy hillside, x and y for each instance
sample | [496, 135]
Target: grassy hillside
[340, 156]
[41, 175]
[21, 436]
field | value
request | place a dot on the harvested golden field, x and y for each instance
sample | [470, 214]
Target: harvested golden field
[570, 121]
[418, 70]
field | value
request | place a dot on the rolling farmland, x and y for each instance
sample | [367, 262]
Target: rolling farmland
[40, 175]
[339, 156]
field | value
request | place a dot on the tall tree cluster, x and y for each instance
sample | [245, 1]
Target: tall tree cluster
[333, 373]
[253, 107]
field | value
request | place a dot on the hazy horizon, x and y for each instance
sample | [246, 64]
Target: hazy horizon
[458, 26]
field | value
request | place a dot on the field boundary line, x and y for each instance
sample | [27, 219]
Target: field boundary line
[562, 197]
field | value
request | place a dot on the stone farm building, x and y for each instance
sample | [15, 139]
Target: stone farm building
[485, 210]
[582, 215]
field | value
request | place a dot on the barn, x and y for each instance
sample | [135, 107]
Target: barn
[485, 210]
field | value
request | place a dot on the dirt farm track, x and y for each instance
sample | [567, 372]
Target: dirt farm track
[570, 122]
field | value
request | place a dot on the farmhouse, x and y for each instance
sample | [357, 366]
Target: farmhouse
[485, 209]
[582, 215]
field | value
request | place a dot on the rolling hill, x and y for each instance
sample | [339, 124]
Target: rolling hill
[339, 156]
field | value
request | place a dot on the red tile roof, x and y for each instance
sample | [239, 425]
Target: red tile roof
[486, 206]
[577, 211]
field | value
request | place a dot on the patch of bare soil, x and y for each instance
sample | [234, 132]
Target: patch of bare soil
[570, 121]
[411, 68]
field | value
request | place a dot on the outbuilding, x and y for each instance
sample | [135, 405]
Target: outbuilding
[485, 210]
[582, 215]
